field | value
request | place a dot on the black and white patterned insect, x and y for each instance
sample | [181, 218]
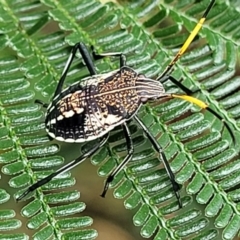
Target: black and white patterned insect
[92, 107]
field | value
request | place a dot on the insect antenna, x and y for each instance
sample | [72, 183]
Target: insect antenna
[188, 41]
[165, 74]
[203, 105]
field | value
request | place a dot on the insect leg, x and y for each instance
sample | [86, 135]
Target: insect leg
[122, 57]
[45, 105]
[63, 169]
[124, 162]
[176, 186]
[177, 83]
[87, 59]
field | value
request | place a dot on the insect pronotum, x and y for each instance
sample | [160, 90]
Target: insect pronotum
[92, 107]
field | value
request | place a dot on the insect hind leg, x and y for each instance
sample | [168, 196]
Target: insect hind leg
[122, 57]
[65, 168]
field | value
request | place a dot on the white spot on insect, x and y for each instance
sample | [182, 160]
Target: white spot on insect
[79, 110]
[52, 135]
[68, 114]
[112, 119]
[53, 121]
[60, 117]
[60, 138]
[69, 140]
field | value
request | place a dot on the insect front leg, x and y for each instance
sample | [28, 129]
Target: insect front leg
[122, 57]
[130, 150]
[81, 47]
[65, 168]
[158, 148]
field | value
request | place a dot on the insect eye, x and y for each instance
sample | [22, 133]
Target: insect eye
[141, 76]
[144, 100]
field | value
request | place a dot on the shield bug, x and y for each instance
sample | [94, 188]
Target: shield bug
[91, 108]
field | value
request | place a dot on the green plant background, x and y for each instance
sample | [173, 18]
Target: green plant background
[35, 40]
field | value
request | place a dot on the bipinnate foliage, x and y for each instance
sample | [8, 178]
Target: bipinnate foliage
[35, 41]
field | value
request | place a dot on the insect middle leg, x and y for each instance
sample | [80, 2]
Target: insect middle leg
[65, 168]
[157, 147]
[130, 150]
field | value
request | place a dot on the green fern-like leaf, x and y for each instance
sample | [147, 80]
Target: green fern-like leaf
[35, 40]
